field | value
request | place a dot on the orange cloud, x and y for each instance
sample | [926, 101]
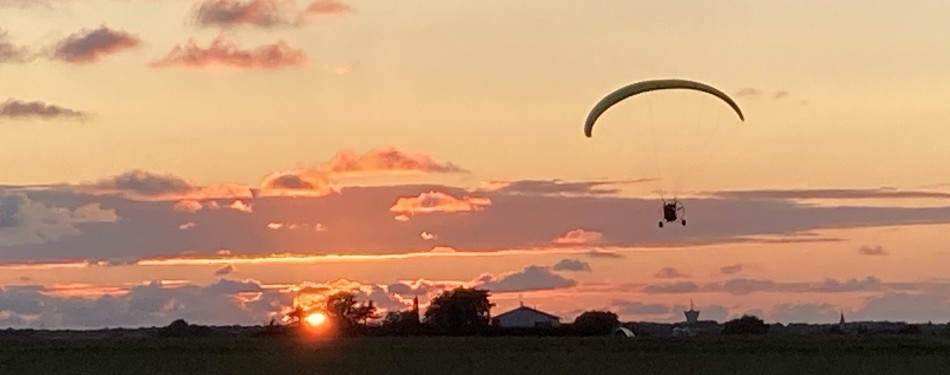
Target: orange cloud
[579, 237]
[438, 202]
[318, 181]
[83, 290]
[387, 159]
[224, 257]
[188, 205]
[239, 205]
[295, 183]
[224, 52]
[327, 7]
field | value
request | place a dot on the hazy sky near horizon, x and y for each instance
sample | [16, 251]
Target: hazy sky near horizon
[170, 140]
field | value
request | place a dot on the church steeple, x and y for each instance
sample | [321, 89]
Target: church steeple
[415, 310]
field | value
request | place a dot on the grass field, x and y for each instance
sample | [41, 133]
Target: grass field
[477, 355]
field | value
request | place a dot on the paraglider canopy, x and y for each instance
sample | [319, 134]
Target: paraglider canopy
[653, 85]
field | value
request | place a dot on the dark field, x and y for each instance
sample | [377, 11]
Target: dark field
[477, 355]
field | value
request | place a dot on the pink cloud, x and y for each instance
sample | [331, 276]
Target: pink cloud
[88, 46]
[187, 226]
[579, 237]
[327, 7]
[262, 13]
[428, 236]
[318, 181]
[224, 52]
[387, 159]
[433, 201]
[239, 205]
[188, 205]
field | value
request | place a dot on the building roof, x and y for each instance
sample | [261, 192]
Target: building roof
[526, 308]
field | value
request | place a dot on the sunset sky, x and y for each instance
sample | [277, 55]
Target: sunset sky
[167, 159]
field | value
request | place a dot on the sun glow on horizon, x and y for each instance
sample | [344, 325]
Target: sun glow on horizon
[317, 319]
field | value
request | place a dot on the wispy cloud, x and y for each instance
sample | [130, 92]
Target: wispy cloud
[188, 205]
[262, 13]
[579, 237]
[23, 4]
[11, 53]
[432, 202]
[674, 288]
[571, 264]
[88, 46]
[872, 250]
[670, 273]
[16, 109]
[318, 181]
[831, 194]
[327, 7]
[731, 269]
[751, 92]
[743, 286]
[387, 159]
[224, 52]
[558, 187]
[747, 92]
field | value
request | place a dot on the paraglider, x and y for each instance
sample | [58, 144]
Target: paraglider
[653, 85]
[672, 211]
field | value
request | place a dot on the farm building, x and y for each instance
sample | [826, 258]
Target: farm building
[524, 316]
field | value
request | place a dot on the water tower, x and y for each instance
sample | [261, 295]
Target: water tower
[692, 316]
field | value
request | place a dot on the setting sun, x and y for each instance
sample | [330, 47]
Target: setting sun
[316, 319]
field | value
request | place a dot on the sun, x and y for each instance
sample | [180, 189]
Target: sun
[316, 319]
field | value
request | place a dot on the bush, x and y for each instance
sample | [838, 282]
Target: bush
[596, 323]
[746, 325]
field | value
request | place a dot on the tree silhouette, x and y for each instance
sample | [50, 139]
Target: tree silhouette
[343, 309]
[746, 325]
[460, 310]
[296, 315]
[401, 320]
[596, 322]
